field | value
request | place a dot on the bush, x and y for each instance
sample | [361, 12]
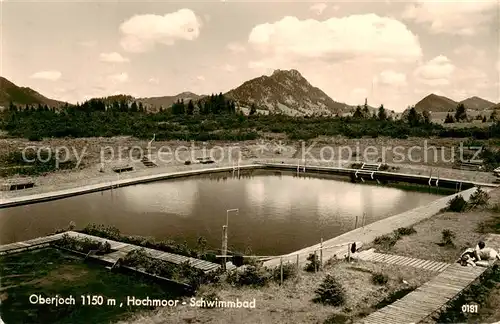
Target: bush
[289, 271]
[356, 165]
[384, 167]
[313, 264]
[113, 233]
[254, 276]
[457, 204]
[479, 198]
[83, 245]
[387, 241]
[447, 237]
[183, 272]
[187, 162]
[209, 297]
[330, 292]
[337, 319]
[402, 231]
[380, 279]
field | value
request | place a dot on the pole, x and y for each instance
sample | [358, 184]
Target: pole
[321, 255]
[356, 225]
[281, 271]
[224, 246]
[298, 265]
[315, 263]
[349, 252]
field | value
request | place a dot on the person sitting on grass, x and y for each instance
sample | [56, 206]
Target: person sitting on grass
[483, 253]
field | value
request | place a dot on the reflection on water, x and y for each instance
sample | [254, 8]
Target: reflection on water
[278, 214]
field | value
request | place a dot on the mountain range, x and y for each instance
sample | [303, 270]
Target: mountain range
[9, 92]
[436, 103]
[284, 91]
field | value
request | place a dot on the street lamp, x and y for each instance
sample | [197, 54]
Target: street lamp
[224, 236]
[236, 210]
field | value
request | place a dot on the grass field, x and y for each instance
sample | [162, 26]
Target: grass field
[50, 272]
[468, 228]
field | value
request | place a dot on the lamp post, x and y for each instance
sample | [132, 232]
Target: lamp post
[224, 236]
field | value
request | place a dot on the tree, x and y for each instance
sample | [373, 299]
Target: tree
[426, 116]
[382, 115]
[460, 113]
[493, 116]
[366, 111]
[484, 119]
[134, 107]
[253, 109]
[190, 108]
[141, 107]
[178, 108]
[413, 117]
[358, 114]
[449, 119]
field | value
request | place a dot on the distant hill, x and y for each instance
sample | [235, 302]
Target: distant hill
[435, 103]
[154, 103]
[287, 92]
[495, 107]
[477, 103]
[22, 96]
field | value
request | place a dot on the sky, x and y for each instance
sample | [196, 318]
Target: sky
[390, 52]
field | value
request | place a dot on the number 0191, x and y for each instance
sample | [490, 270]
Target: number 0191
[469, 308]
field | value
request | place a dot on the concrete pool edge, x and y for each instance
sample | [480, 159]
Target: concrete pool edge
[81, 190]
[54, 195]
[368, 233]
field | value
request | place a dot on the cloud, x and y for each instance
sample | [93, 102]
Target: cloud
[229, 68]
[119, 78]
[391, 78]
[336, 39]
[47, 75]
[154, 81]
[142, 32]
[200, 77]
[113, 57]
[436, 72]
[236, 48]
[318, 8]
[460, 17]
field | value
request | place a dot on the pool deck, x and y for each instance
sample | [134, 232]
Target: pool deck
[121, 250]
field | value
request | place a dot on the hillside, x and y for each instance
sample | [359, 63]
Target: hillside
[9, 92]
[287, 92]
[435, 103]
[154, 103]
[477, 103]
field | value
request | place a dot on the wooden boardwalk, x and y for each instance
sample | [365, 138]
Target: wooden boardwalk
[371, 255]
[428, 298]
[121, 250]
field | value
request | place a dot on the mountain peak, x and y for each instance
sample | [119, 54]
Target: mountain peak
[287, 92]
[288, 73]
[436, 103]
